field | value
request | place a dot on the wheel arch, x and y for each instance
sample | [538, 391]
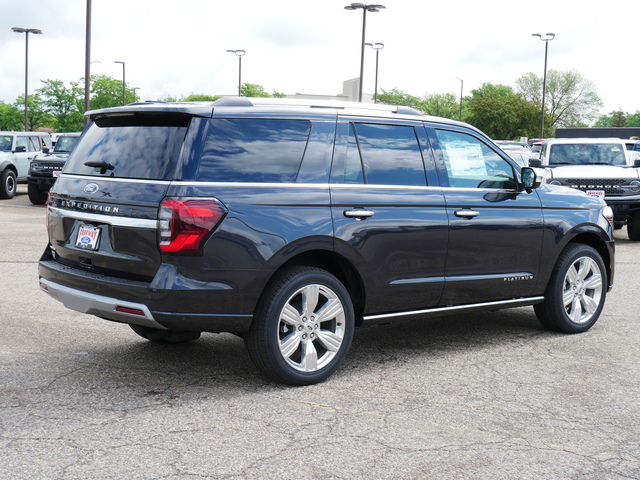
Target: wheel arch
[338, 266]
[599, 245]
[10, 166]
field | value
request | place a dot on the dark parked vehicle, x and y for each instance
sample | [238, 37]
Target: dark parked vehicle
[291, 224]
[44, 169]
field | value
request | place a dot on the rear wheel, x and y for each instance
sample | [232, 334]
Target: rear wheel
[633, 226]
[158, 335]
[303, 327]
[36, 196]
[8, 184]
[576, 291]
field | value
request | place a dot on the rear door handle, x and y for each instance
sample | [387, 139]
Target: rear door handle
[466, 213]
[358, 213]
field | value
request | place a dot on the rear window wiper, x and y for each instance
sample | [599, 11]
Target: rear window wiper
[102, 165]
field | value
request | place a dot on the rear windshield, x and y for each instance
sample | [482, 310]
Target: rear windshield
[586, 154]
[144, 146]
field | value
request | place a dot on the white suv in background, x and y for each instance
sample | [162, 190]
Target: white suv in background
[601, 167]
[17, 149]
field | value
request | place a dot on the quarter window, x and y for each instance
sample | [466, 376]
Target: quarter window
[470, 163]
[253, 151]
[384, 155]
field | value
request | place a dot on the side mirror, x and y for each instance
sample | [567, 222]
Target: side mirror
[45, 149]
[529, 179]
[535, 162]
[20, 149]
[636, 163]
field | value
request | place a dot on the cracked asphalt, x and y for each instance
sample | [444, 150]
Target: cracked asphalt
[484, 396]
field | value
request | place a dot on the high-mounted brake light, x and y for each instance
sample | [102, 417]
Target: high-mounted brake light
[185, 224]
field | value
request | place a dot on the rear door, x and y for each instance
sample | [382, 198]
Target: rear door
[389, 214]
[495, 237]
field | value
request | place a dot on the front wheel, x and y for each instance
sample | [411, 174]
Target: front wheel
[576, 291]
[303, 327]
[633, 226]
[36, 196]
[8, 184]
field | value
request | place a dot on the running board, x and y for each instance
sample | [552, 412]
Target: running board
[519, 302]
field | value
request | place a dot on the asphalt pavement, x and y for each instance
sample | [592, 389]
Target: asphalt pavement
[479, 396]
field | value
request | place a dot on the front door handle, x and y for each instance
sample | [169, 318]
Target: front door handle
[466, 213]
[358, 213]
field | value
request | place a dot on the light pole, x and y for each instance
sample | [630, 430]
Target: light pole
[124, 90]
[87, 61]
[239, 54]
[546, 39]
[365, 9]
[26, 31]
[377, 47]
[461, 88]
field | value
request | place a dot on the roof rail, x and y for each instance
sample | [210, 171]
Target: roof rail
[236, 101]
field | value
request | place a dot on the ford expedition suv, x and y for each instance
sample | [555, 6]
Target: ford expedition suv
[290, 224]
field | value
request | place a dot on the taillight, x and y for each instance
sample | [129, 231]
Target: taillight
[184, 225]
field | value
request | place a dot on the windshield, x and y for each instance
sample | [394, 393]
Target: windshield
[65, 144]
[586, 154]
[5, 143]
[144, 146]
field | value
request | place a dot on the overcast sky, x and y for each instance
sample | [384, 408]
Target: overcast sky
[175, 48]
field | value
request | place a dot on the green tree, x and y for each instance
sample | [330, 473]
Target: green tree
[570, 101]
[398, 97]
[253, 90]
[10, 117]
[64, 105]
[37, 116]
[200, 98]
[107, 92]
[502, 113]
[633, 119]
[440, 105]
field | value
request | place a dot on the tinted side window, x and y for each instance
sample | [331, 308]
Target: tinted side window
[248, 150]
[470, 163]
[384, 155]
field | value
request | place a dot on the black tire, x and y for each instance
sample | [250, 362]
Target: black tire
[633, 226]
[576, 291]
[158, 335]
[8, 184]
[36, 196]
[302, 328]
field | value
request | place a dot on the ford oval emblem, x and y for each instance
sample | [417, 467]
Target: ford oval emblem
[91, 188]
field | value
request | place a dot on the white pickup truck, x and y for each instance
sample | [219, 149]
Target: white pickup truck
[601, 167]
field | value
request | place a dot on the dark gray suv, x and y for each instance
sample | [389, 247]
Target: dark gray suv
[291, 224]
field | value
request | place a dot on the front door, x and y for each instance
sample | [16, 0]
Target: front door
[496, 229]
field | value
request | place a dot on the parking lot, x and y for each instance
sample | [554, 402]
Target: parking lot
[490, 395]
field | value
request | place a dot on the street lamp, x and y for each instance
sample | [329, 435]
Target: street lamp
[239, 54]
[124, 94]
[365, 9]
[461, 88]
[87, 60]
[377, 47]
[546, 39]
[26, 31]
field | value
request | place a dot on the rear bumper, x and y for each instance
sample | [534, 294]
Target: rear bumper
[181, 307]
